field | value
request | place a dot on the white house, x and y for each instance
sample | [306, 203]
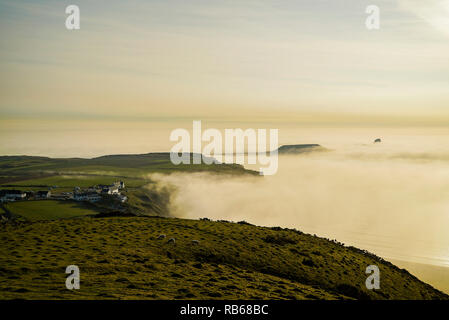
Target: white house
[110, 190]
[87, 196]
[11, 195]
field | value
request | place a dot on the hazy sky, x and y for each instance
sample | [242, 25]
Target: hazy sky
[289, 59]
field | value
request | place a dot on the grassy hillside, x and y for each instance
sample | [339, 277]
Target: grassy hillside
[131, 165]
[122, 258]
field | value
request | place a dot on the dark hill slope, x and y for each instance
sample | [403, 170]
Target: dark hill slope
[122, 258]
[127, 164]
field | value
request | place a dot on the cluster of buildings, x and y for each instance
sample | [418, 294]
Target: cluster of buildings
[16, 195]
[96, 193]
[91, 194]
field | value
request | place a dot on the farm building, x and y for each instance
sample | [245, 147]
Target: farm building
[42, 194]
[87, 196]
[11, 195]
[110, 190]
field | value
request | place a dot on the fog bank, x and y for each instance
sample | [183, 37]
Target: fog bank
[391, 201]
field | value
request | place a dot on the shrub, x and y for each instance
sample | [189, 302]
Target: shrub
[279, 240]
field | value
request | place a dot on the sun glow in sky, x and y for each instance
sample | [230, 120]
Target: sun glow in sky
[435, 12]
[283, 60]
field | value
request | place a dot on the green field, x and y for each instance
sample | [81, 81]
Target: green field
[49, 209]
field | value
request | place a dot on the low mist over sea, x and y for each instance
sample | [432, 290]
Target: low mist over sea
[391, 198]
